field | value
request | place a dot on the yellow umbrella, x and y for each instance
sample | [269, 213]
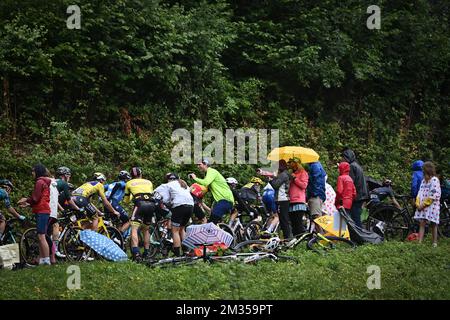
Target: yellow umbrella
[306, 155]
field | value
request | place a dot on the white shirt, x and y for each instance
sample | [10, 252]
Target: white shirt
[174, 195]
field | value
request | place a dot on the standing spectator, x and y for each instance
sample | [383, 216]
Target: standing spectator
[316, 189]
[328, 206]
[345, 189]
[357, 175]
[417, 178]
[40, 204]
[428, 201]
[220, 190]
[281, 185]
[297, 197]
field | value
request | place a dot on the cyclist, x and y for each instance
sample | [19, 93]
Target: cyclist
[268, 199]
[220, 190]
[177, 197]
[377, 195]
[114, 193]
[5, 189]
[141, 192]
[85, 192]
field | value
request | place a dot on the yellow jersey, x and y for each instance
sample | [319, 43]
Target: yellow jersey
[137, 186]
[89, 189]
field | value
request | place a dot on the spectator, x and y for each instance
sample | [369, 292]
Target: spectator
[316, 189]
[417, 178]
[328, 206]
[345, 189]
[40, 204]
[357, 175]
[428, 201]
[297, 197]
[281, 185]
[220, 190]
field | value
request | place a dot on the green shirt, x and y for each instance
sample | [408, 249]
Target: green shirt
[64, 192]
[217, 184]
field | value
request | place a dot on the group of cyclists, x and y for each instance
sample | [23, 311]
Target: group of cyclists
[174, 199]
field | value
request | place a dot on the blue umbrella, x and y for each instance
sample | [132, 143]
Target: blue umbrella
[207, 233]
[103, 245]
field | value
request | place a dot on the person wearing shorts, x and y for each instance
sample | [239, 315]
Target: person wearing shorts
[141, 191]
[40, 204]
[177, 196]
[316, 190]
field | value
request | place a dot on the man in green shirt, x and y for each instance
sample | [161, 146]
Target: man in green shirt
[221, 192]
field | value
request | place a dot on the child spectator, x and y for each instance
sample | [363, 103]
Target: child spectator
[345, 189]
[428, 201]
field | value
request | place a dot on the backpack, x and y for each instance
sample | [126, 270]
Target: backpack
[54, 195]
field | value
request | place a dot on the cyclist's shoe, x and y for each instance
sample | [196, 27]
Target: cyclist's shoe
[137, 257]
[87, 258]
[60, 255]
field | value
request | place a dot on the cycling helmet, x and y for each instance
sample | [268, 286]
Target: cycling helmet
[171, 176]
[99, 176]
[387, 182]
[63, 171]
[256, 180]
[198, 190]
[6, 183]
[272, 244]
[136, 172]
[231, 180]
[124, 175]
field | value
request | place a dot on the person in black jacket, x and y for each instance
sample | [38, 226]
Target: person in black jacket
[357, 174]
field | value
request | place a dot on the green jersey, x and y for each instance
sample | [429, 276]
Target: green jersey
[217, 184]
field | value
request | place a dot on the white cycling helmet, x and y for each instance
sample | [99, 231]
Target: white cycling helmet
[272, 244]
[231, 180]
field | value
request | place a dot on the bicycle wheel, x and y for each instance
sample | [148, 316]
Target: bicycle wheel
[29, 247]
[250, 246]
[227, 229]
[115, 235]
[397, 224]
[253, 230]
[318, 244]
[74, 248]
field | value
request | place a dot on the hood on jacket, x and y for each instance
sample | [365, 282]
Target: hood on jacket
[344, 168]
[417, 165]
[349, 155]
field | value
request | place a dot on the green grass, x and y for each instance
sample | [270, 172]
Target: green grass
[408, 271]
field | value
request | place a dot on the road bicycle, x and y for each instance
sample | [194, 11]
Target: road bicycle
[397, 223]
[314, 241]
[75, 249]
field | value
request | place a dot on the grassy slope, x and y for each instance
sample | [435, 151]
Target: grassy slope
[408, 271]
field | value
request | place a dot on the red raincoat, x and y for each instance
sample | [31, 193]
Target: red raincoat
[345, 189]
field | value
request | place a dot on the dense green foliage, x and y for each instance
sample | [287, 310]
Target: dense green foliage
[108, 96]
[408, 271]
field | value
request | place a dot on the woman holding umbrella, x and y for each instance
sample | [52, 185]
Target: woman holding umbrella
[281, 185]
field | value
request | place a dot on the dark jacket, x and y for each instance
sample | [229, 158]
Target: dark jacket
[417, 177]
[357, 175]
[281, 185]
[316, 183]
